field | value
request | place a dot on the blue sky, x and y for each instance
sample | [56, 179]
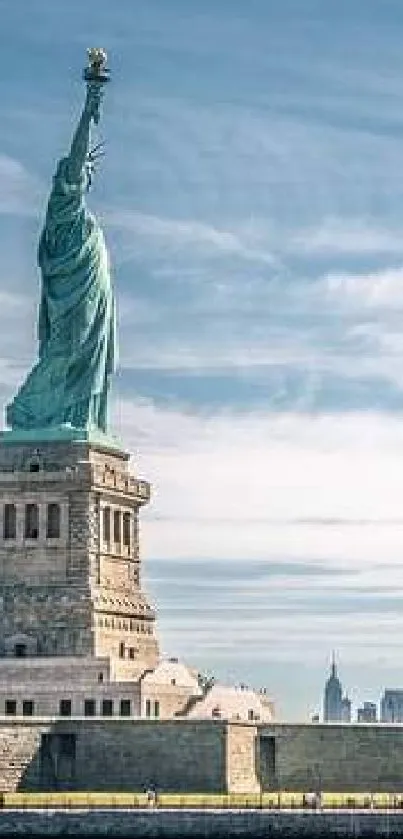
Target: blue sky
[252, 200]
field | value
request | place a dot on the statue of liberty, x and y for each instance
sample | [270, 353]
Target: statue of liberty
[68, 386]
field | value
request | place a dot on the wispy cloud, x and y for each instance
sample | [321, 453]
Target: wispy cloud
[348, 236]
[377, 291]
[20, 190]
[242, 485]
[176, 234]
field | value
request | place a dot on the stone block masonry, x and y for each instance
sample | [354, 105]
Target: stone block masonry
[113, 755]
[71, 584]
[184, 755]
[332, 757]
[242, 769]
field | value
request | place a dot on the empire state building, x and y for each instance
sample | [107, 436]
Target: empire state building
[336, 708]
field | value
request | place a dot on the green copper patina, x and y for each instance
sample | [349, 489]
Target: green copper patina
[66, 392]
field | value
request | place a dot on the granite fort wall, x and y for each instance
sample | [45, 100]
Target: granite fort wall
[197, 756]
[113, 755]
[331, 757]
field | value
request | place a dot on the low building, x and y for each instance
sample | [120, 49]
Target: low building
[242, 704]
[65, 686]
[167, 690]
[368, 712]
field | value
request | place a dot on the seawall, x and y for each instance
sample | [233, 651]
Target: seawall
[189, 824]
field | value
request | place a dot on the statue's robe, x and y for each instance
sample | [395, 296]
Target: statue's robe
[76, 328]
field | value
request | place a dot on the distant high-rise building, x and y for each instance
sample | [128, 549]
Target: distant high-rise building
[335, 707]
[368, 712]
[392, 705]
[332, 705]
[346, 709]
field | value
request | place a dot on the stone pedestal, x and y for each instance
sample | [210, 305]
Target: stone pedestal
[70, 581]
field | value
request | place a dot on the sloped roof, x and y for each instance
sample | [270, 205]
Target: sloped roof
[169, 670]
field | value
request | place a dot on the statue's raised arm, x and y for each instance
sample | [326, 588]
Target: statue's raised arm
[78, 165]
[80, 156]
[76, 326]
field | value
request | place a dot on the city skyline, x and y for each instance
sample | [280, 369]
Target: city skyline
[252, 201]
[338, 707]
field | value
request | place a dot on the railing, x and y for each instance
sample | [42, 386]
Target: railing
[151, 799]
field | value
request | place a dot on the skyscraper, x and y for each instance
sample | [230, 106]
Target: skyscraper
[336, 708]
[345, 709]
[392, 705]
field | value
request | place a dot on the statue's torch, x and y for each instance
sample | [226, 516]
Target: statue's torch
[96, 72]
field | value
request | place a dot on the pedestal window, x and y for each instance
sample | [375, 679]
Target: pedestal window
[10, 522]
[106, 524]
[53, 521]
[31, 521]
[126, 529]
[117, 527]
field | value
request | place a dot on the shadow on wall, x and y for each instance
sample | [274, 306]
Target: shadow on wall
[114, 756]
[52, 767]
[265, 762]
[57, 760]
